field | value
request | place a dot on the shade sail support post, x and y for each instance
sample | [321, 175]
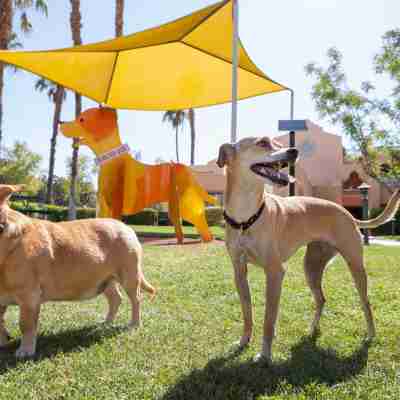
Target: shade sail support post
[235, 64]
[292, 143]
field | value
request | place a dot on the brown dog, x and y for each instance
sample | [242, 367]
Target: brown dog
[267, 230]
[42, 261]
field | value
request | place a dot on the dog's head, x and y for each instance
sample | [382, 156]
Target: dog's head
[92, 126]
[258, 159]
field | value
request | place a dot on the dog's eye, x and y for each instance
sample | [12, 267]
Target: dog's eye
[265, 144]
[81, 119]
[2, 227]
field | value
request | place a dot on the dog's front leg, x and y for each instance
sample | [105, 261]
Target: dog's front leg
[28, 321]
[242, 286]
[274, 278]
[4, 335]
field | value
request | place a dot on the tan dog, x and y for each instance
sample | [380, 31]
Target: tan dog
[42, 261]
[266, 230]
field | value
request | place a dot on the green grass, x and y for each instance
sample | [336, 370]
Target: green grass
[183, 349]
[168, 231]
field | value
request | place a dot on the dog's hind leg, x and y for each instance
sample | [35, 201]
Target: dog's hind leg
[352, 252]
[113, 297]
[4, 335]
[316, 259]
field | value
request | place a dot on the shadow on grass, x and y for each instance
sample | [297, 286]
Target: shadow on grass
[225, 378]
[68, 341]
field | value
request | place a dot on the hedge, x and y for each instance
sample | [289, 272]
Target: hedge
[148, 216]
[214, 216]
[385, 229]
[52, 213]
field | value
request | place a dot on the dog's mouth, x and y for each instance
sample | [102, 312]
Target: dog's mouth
[272, 171]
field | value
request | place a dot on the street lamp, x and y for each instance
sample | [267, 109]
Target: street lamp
[364, 189]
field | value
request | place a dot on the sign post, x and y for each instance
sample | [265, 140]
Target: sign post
[292, 125]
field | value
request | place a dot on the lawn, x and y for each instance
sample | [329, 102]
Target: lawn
[183, 349]
[168, 231]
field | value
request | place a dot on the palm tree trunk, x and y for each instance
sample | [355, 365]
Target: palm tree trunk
[177, 143]
[76, 25]
[192, 135]
[119, 17]
[58, 101]
[6, 14]
[1, 105]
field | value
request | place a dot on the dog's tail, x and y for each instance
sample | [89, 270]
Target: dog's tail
[147, 287]
[388, 213]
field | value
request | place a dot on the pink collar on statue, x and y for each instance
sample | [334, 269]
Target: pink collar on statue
[114, 153]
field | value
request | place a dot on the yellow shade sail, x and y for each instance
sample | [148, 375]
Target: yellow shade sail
[183, 64]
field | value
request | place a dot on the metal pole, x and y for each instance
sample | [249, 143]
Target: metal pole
[235, 63]
[365, 216]
[292, 143]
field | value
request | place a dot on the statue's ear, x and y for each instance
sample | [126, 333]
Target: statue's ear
[226, 154]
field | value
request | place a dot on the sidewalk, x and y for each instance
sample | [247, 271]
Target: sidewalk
[383, 242]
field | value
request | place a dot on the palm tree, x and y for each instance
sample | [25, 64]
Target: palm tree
[119, 17]
[176, 119]
[57, 95]
[191, 117]
[76, 25]
[8, 10]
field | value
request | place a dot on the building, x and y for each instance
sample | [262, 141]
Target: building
[322, 171]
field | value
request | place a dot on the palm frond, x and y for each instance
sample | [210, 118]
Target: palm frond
[25, 24]
[41, 6]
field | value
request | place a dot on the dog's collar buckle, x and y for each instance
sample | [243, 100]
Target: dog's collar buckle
[244, 226]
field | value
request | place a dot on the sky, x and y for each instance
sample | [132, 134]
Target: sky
[280, 36]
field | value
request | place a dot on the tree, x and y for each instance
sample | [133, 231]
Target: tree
[119, 17]
[387, 62]
[357, 112]
[8, 38]
[20, 165]
[176, 119]
[191, 116]
[85, 190]
[76, 25]
[57, 95]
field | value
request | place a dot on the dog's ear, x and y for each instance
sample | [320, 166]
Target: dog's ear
[226, 153]
[6, 191]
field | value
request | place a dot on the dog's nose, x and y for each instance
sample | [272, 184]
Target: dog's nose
[292, 153]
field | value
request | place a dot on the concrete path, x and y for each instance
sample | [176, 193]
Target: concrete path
[384, 242]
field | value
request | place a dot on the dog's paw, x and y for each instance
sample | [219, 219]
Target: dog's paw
[22, 353]
[261, 358]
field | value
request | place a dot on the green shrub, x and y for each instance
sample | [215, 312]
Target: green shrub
[385, 229]
[148, 216]
[50, 212]
[214, 216]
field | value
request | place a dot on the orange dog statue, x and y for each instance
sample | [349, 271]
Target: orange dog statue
[127, 186]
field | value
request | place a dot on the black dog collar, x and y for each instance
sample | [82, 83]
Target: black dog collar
[243, 226]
